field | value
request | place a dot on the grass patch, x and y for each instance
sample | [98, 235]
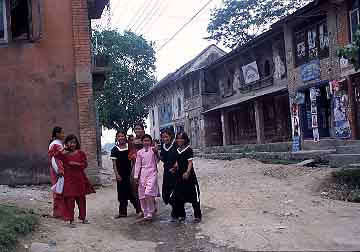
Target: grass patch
[14, 222]
[345, 185]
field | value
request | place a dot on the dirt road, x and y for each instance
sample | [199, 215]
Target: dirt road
[247, 206]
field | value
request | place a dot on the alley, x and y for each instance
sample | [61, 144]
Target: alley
[247, 206]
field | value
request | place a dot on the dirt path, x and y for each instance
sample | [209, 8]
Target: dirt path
[243, 210]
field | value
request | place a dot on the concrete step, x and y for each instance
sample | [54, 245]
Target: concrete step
[343, 160]
[348, 149]
[319, 155]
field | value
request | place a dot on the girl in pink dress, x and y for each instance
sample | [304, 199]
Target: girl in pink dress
[146, 175]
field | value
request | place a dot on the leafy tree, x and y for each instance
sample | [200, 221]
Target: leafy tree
[237, 22]
[132, 64]
[352, 52]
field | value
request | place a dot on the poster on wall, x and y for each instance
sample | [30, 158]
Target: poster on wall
[251, 73]
[295, 125]
[341, 121]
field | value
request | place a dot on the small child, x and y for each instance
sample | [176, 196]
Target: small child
[146, 175]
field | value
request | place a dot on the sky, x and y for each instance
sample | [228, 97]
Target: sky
[158, 21]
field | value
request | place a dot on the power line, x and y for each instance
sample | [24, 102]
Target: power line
[141, 15]
[136, 14]
[186, 24]
[150, 14]
[159, 10]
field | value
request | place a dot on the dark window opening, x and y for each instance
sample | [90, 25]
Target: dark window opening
[311, 43]
[153, 117]
[179, 107]
[267, 68]
[2, 20]
[19, 19]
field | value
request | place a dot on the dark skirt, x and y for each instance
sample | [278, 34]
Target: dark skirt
[186, 191]
[169, 181]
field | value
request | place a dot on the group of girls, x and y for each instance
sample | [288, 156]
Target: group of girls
[68, 162]
[135, 166]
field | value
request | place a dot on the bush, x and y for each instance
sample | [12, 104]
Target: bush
[14, 222]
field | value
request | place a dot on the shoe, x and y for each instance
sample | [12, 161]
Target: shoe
[181, 219]
[72, 224]
[173, 219]
[140, 215]
[85, 222]
[119, 216]
[197, 220]
[149, 217]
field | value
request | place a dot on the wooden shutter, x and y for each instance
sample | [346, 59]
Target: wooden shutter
[36, 19]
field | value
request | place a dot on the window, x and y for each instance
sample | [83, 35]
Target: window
[24, 17]
[195, 87]
[3, 23]
[179, 106]
[267, 68]
[354, 22]
[311, 43]
[153, 117]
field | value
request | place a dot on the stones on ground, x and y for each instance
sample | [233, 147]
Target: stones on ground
[42, 247]
[307, 162]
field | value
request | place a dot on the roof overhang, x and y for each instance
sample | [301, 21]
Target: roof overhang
[248, 97]
[96, 8]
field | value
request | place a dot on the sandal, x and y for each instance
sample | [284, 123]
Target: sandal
[72, 224]
[119, 216]
[85, 222]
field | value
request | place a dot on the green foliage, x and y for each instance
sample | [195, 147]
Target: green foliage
[237, 22]
[351, 52]
[14, 222]
[131, 76]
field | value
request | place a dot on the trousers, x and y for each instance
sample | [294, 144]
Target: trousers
[70, 206]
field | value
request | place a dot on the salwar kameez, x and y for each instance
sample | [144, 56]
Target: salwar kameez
[76, 184]
[56, 168]
[146, 173]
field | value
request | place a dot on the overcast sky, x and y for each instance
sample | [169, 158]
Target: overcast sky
[159, 21]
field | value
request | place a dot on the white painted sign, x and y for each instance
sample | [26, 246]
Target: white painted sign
[251, 73]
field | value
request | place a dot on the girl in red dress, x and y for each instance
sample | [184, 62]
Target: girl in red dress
[56, 168]
[76, 184]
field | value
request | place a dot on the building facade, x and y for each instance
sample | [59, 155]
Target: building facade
[48, 78]
[168, 100]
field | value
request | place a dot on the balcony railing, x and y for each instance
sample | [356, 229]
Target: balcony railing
[268, 81]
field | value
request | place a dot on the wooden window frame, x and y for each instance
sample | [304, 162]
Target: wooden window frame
[320, 53]
[350, 21]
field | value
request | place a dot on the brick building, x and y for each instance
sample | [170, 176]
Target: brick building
[48, 77]
[169, 100]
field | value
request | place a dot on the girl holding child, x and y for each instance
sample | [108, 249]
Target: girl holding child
[76, 183]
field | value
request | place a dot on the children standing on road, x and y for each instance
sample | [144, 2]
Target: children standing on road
[187, 187]
[76, 183]
[122, 169]
[146, 175]
[168, 156]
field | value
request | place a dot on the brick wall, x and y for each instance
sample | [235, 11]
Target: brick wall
[85, 95]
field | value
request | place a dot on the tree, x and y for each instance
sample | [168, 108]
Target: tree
[352, 52]
[237, 22]
[132, 64]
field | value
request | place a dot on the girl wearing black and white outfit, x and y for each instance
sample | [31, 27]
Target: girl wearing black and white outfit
[168, 156]
[187, 187]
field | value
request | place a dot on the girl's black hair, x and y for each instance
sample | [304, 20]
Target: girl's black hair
[146, 136]
[73, 137]
[184, 136]
[56, 130]
[140, 125]
[117, 133]
[168, 132]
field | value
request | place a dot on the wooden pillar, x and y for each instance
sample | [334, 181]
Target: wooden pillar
[352, 118]
[259, 119]
[223, 128]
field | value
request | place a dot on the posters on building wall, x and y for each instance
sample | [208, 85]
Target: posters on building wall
[310, 71]
[314, 92]
[251, 73]
[295, 125]
[340, 106]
